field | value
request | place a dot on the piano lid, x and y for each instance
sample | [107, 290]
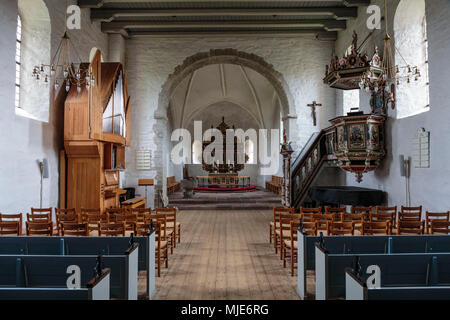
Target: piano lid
[346, 195]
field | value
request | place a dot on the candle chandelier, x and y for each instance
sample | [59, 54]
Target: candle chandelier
[62, 70]
[392, 74]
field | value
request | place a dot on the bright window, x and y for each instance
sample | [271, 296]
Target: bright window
[18, 60]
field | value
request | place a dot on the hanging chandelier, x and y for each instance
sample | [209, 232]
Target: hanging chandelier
[62, 70]
[392, 74]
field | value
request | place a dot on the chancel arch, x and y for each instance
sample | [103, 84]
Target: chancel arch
[227, 76]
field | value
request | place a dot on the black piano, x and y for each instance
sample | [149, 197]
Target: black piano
[350, 196]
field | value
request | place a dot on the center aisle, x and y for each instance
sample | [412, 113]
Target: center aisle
[225, 255]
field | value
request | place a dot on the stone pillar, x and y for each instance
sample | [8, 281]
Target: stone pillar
[286, 152]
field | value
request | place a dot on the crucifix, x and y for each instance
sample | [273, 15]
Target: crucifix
[313, 106]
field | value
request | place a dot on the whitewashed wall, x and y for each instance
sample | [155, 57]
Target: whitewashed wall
[429, 187]
[150, 61]
[23, 141]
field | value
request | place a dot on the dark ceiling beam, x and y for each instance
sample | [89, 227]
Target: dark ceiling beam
[100, 3]
[107, 15]
[318, 34]
[328, 25]
[91, 3]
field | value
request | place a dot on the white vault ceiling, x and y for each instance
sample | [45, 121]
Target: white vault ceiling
[223, 85]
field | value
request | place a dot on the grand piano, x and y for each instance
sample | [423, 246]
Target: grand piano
[344, 195]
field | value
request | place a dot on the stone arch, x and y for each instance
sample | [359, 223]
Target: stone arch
[195, 62]
[224, 56]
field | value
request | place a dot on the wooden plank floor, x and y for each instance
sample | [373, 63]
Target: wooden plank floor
[225, 255]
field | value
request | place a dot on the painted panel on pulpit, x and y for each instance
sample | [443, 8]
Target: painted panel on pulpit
[373, 136]
[357, 136]
[342, 137]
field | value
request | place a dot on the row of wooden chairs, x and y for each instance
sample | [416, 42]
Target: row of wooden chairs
[114, 222]
[336, 221]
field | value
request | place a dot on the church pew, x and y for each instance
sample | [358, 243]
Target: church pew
[124, 268]
[86, 246]
[45, 278]
[356, 289]
[364, 244]
[406, 268]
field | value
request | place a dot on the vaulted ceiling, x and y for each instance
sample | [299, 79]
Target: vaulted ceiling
[224, 88]
[318, 18]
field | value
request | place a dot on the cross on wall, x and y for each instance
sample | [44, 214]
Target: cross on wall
[313, 105]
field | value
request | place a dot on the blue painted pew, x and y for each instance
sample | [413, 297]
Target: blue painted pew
[86, 246]
[356, 289]
[45, 278]
[124, 267]
[364, 244]
[415, 269]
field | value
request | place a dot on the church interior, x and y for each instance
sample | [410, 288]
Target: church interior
[225, 150]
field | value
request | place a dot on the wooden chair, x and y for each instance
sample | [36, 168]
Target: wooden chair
[291, 246]
[74, 229]
[129, 219]
[385, 214]
[440, 227]
[357, 219]
[435, 216]
[309, 227]
[275, 224]
[93, 217]
[141, 213]
[410, 213]
[162, 247]
[40, 215]
[323, 219]
[39, 228]
[308, 214]
[172, 222]
[358, 210]
[16, 218]
[338, 228]
[37, 211]
[10, 228]
[111, 229]
[284, 230]
[65, 215]
[171, 218]
[410, 227]
[380, 227]
[329, 210]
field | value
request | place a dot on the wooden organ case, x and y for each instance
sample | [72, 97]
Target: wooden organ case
[96, 131]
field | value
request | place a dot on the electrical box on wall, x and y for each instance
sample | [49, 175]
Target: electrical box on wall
[421, 149]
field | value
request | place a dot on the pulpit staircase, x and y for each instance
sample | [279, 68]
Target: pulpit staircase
[307, 166]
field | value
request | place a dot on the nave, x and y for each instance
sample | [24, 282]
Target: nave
[225, 255]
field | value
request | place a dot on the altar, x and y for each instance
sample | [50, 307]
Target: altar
[223, 175]
[221, 180]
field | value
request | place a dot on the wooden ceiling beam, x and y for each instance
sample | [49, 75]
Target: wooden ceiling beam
[108, 15]
[318, 34]
[328, 25]
[100, 3]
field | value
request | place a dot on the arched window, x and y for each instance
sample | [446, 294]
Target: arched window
[250, 151]
[197, 152]
[92, 54]
[410, 31]
[32, 96]
[18, 59]
[350, 100]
